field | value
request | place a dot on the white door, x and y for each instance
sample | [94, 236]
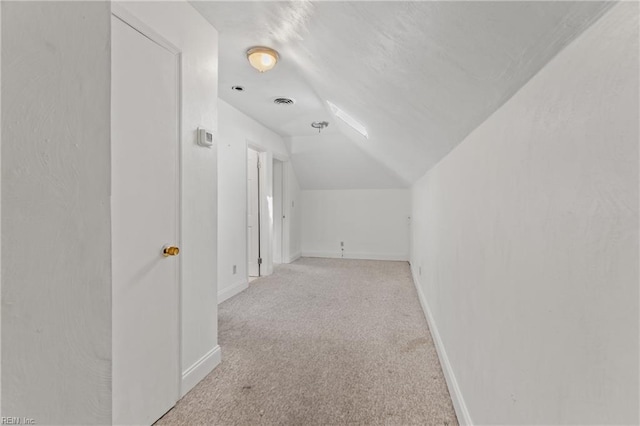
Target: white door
[253, 214]
[144, 210]
[277, 212]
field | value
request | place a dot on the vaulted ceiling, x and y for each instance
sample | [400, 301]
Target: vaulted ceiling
[420, 76]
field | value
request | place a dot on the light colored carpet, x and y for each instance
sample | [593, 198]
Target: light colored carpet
[323, 342]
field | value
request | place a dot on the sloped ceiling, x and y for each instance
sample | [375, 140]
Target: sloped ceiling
[419, 75]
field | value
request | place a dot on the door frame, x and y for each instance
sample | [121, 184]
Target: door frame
[286, 200]
[266, 157]
[123, 15]
[249, 144]
[266, 183]
[282, 206]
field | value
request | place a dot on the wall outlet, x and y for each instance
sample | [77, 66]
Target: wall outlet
[235, 269]
[341, 243]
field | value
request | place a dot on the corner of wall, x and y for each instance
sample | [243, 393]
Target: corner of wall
[454, 390]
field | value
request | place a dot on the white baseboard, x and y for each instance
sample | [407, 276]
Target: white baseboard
[229, 292]
[454, 390]
[361, 256]
[294, 257]
[199, 370]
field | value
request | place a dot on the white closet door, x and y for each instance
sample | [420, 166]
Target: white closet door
[144, 160]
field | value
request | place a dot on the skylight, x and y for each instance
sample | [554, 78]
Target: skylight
[357, 126]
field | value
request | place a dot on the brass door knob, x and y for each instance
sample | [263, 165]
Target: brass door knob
[170, 251]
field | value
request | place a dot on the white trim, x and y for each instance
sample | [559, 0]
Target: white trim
[280, 218]
[286, 212]
[361, 256]
[200, 369]
[294, 257]
[254, 146]
[265, 193]
[280, 157]
[120, 12]
[261, 148]
[246, 208]
[232, 290]
[454, 390]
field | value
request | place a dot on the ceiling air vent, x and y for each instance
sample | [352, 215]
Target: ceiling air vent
[283, 101]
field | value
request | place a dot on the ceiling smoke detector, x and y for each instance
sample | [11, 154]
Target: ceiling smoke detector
[320, 125]
[284, 101]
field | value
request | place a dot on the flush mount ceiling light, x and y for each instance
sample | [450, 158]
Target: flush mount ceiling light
[262, 58]
[320, 125]
[349, 120]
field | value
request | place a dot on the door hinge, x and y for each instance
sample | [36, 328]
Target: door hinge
[259, 261]
[258, 162]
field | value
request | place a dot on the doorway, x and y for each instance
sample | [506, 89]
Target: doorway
[278, 211]
[253, 213]
[145, 110]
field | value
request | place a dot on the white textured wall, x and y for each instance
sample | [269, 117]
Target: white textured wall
[56, 239]
[236, 130]
[184, 27]
[333, 160]
[373, 223]
[527, 237]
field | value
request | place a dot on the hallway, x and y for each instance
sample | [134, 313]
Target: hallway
[323, 341]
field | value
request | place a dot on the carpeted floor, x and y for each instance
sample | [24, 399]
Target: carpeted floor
[323, 342]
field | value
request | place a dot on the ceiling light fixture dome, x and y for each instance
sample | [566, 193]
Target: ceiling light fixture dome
[262, 58]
